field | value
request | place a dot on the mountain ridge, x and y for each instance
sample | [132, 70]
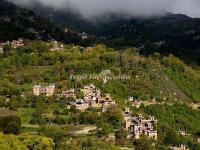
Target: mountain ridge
[17, 22]
[179, 33]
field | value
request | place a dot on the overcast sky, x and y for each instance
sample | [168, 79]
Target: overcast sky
[90, 8]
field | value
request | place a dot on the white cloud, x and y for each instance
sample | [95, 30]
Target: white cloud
[90, 8]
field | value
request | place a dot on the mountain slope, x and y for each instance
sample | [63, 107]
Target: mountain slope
[17, 22]
[173, 33]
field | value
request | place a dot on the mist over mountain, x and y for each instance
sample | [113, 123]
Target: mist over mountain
[106, 75]
[16, 22]
[93, 8]
[168, 34]
[175, 34]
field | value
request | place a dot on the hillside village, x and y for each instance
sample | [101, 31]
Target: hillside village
[133, 101]
[55, 45]
[111, 82]
[139, 125]
[14, 44]
[135, 126]
[92, 96]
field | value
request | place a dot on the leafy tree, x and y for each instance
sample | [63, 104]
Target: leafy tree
[12, 128]
[15, 102]
[53, 132]
[3, 102]
[121, 134]
[113, 116]
[10, 124]
[104, 129]
[41, 108]
[7, 49]
[24, 142]
[67, 101]
[80, 94]
[143, 144]
[88, 117]
[168, 135]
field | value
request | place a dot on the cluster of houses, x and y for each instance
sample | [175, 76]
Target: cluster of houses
[137, 126]
[92, 96]
[134, 103]
[57, 46]
[13, 44]
[83, 35]
[180, 147]
[183, 133]
[17, 43]
[137, 103]
[5, 19]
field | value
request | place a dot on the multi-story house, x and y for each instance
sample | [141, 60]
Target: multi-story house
[69, 93]
[80, 104]
[94, 98]
[47, 91]
[17, 43]
[137, 126]
[57, 46]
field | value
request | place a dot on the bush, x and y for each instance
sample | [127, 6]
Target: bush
[104, 130]
[12, 128]
[10, 124]
[143, 144]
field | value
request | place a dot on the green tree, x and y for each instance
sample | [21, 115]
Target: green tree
[114, 116]
[144, 144]
[7, 49]
[12, 128]
[80, 94]
[120, 134]
[10, 124]
[15, 102]
[55, 133]
[88, 117]
[168, 135]
[25, 142]
[104, 129]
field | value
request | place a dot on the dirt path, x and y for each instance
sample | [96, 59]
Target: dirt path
[85, 130]
[30, 126]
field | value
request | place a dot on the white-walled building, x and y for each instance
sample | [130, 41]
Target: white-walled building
[94, 98]
[17, 43]
[137, 126]
[47, 91]
[80, 104]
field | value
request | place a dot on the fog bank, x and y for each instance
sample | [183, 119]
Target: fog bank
[93, 8]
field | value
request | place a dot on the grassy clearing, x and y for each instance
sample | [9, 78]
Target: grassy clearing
[25, 114]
